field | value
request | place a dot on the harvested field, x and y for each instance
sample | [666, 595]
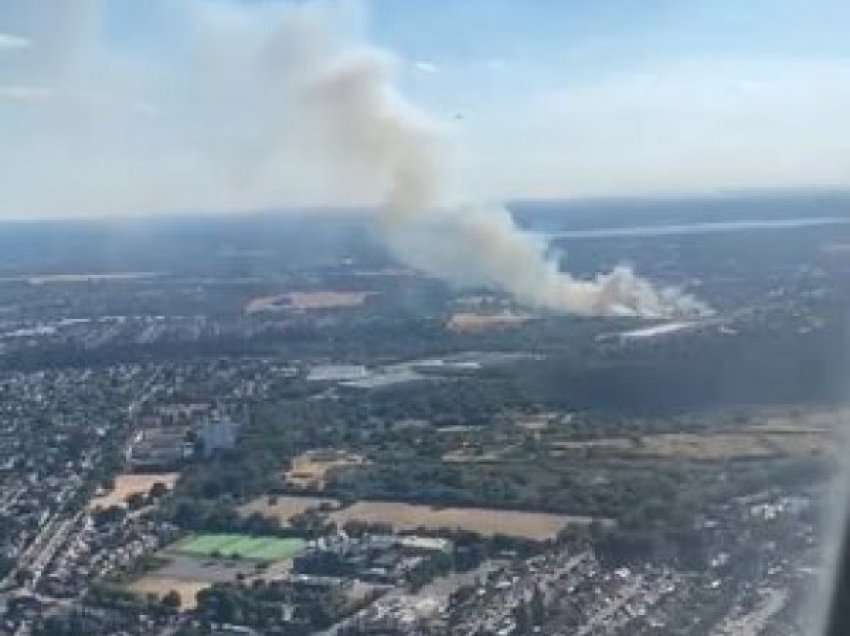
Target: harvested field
[731, 445]
[239, 545]
[465, 322]
[285, 507]
[539, 526]
[162, 585]
[131, 483]
[306, 301]
[309, 470]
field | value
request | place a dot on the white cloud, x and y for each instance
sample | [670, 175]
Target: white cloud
[702, 125]
[9, 41]
[24, 93]
[208, 125]
[426, 67]
[146, 108]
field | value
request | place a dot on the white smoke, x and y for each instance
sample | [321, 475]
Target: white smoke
[257, 105]
[348, 101]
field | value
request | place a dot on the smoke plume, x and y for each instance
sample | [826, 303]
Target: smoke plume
[258, 105]
[348, 101]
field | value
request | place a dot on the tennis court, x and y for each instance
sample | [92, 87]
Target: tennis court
[240, 545]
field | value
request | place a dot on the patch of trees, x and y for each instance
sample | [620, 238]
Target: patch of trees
[200, 515]
[110, 596]
[262, 604]
[765, 366]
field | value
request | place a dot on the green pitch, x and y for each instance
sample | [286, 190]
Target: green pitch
[242, 545]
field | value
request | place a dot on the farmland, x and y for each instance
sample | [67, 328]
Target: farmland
[731, 445]
[485, 521]
[239, 546]
[761, 441]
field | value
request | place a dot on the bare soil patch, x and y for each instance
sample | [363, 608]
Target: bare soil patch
[310, 470]
[465, 322]
[306, 301]
[132, 483]
[285, 507]
[486, 521]
[731, 445]
[162, 585]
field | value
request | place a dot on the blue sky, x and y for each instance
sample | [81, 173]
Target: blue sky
[122, 106]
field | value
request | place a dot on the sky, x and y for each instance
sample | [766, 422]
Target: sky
[122, 107]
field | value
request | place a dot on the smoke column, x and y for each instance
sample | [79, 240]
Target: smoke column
[349, 104]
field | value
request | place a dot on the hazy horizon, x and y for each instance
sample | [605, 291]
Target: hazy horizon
[112, 108]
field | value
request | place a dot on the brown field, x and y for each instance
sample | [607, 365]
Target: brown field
[532, 525]
[309, 470]
[466, 322]
[766, 434]
[162, 585]
[731, 445]
[285, 507]
[308, 301]
[131, 483]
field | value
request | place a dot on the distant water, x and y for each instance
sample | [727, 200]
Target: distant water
[657, 330]
[698, 228]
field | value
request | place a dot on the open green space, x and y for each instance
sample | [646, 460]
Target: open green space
[242, 546]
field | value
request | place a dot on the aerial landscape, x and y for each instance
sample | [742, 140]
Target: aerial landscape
[225, 410]
[353, 457]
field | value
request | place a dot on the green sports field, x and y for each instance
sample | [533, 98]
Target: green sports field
[242, 545]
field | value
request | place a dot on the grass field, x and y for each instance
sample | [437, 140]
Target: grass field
[240, 545]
